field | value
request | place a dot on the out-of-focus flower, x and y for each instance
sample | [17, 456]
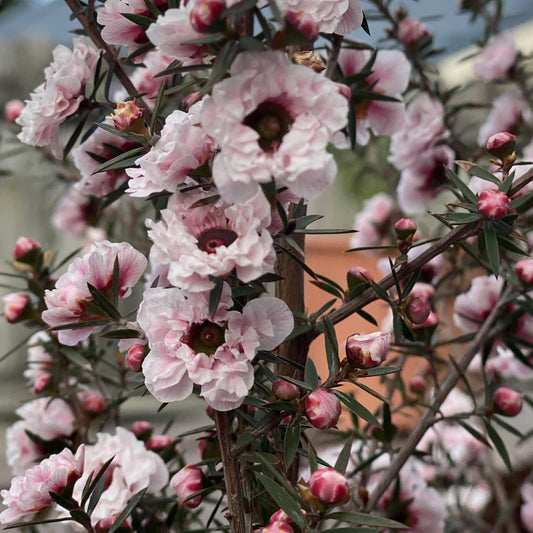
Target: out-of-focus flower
[158, 443]
[204, 13]
[135, 357]
[141, 427]
[186, 482]
[373, 222]
[322, 409]
[411, 31]
[23, 246]
[493, 204]
[285, 390]
[59, 96]
[17, 306]
[501, 144]
[526, 510]
[13, 109]
[417, 309]
[389, 76]
[367, 350]
[497, 57]
[507, 401]
[92, 401]
[417, 384]
[524, 270]
[277, 527]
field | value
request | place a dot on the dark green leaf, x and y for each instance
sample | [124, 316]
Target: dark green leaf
[79, 325]
[127, 511]
[366, 520]
[122, 334]
[101, 301]
[82, 518]
[356, 408]
[96, 494]
[89, 487]
[367, 316]
[291, 443]
[484, 174]
[331, 345]
[214, 296]
[468, 195]
[381, 371]
[341, 464]
[473, 431]
[493, 251]
[498, 444]
[140, 20]
[122, 161]
[310, 374]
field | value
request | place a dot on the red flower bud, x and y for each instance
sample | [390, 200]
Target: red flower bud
[417, 384]
[493, 204]
[329, 486]
[13, 109]
[158, 443]
[501, 145]
[23, 246]
[277, 527]
[17, 306]
[187, 481]
[285, 390]
[431, 321]
[141, 428]
[507, 401]
[135, 357]
[41, 383]
[280, 516]
[524, 270]
[304, 23]
[367, 351]
[92, 401]
[405, 228]
[205, 13]
[411, 30]
[417, 309]
[322, 409]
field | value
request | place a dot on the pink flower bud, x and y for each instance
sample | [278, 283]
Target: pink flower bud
[41, 383]
[13, 109]
[141, 428]
[507, 401]
[92, 401]
[17, 306]
[417, 384]
[329, 486]
[359, 272]
[205, 13]
[280, 516]
[431, 321]
[23, 246]
[405, 228]
[322, 409]
[158, 443]
[135, 357]
[493, 204]
[422, 290]
[128, 117]
[277, 527]
[285, 390]
[344, 90]
[304, 23]
[501, 145]
[417, 309]
[187, 481]
[105, 524]
[367, 350]
[411, 31]
[191, 99]
[524, 270]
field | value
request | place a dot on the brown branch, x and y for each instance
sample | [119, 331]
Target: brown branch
[85, 18]
[336, 42]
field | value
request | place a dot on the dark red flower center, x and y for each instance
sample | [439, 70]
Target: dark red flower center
[272, 122]
[205, 337]
[211, 239]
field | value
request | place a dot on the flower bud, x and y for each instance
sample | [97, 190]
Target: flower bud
[411, 31]
[17, 306]
[92, 401]
[367, 350]
[493, 204]
[524, 271]
[205, 13]
[329, 486]
[158, 443]
[23, 246]
[344, 90]
[417, 309]
[405, 228]
[13, 109]
[358, 279]
[308, 58]
[507, 401]
[187, 481]
[322, 409]
[304, 23]
[280, 516]
[135, 357]
[191, 99]
[128, 117]
[142, 428]
[432, 321]
[501, 145]
[417, 384]
[277, 527]
[105, 524]
[284, 390]
[422, 290]
[41, 383]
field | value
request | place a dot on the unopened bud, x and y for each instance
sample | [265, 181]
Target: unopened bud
[432, 321]
[142, 428]
[309, 59]
[411, 31]
[493, 204]
[322, 409]
[329, 486]
[358, 279]
[92, 401]
[191, 99]
[128, 117]
[285, 390]
[41, 383]
[422, 290]
[158, 443]
[507, 401]
[524, 271]
[13, 109]
[23, 246]
[417, 384]
[278, 527]
[344, 90]
[280, 516]
[135, 357]
[417, 309]
[205, 13]
[17, 307]
[501, 145]
[405, 228]
[304, 23]
[367, 350]
[186, 482]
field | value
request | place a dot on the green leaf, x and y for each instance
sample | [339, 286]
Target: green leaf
[140, 20]
[101, 301]
[462, 218]
[79, 325]
[314, 316]
[484, 174]
[311, 457]
[74, 356]
[96, 494]
[468, 195]
[291, 443]
[283, 499]
[90, 485]
[498, 444]
[380, 371]
[341, 464]
[127, 511]
[356, 408]
[326, 287]
[310, 374]
[474, 432]
[214, 295]
[122, 334]
[82, 518]
[493, 251]
[122, 161]
[363, 519]
[332, 346]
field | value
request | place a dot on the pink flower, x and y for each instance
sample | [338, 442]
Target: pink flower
[189, 347]
[373, 222]
[135, 357]
[65, 302]
[389, 77]
[212, 240]
[40, 362]
[367, 350]
[21, 452]
[524, 270]
[507, 401]
[424, 179]
[13, 109]
[497, 57]
[30, 493]
[526, 510]
[423, 125]
[493, 204]
[117, 29]
[411, 31]
[506, 365]
[59, 96]
[329, 486]
[277, 527]
[322, 409]
[273, 119]
[17, 306]
[182, 147]
[508, 113]
[332, 16]
[186, 482]
[132, 469]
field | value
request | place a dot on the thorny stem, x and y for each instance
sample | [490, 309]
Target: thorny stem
[86, 20]
[428, 418]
